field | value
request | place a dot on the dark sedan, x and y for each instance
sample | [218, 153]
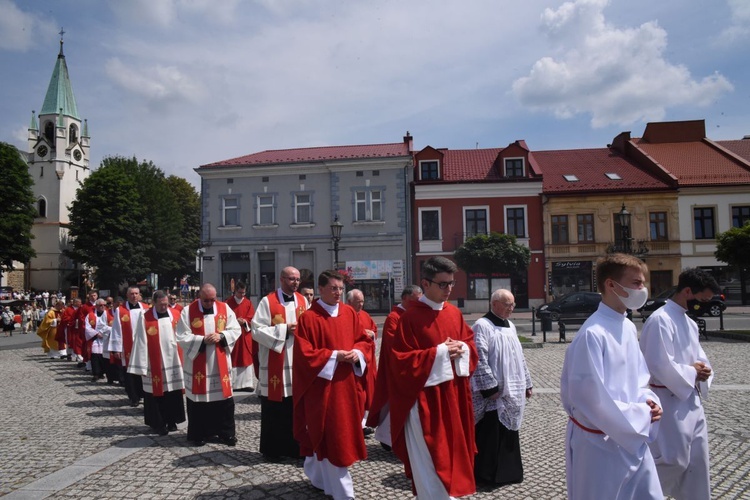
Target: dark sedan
[573, 306]
[713, 307]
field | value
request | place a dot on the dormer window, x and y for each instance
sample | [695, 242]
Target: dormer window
[514, 167]
[429, 170]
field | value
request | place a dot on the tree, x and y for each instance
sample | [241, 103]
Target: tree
[189, 205]
[731, 247]
[492, 253]
[108, 227]
[17, 210]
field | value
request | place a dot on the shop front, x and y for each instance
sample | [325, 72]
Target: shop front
[571, 276]
[381, 282]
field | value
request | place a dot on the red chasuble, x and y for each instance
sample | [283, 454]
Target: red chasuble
[328, 413]
[276, 359]
[199, 363]
[445, 410]
[153, 344]
[372, 368]
[380, 396]
[242, 351]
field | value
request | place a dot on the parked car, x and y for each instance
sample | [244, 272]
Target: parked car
[713, 307]
[573, 306]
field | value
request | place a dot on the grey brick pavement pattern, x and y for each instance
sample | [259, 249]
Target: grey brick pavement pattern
[63, 436]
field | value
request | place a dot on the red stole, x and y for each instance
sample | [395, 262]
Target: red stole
[126, 328]
[199, 363]
[276, 359]
[154, 349]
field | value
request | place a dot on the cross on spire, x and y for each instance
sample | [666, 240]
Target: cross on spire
[62, 32]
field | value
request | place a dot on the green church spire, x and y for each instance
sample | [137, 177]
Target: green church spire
[60, 92]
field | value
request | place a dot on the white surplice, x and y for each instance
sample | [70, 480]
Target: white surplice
[604, 387]
[115, 342]
[191, 346]
[171, 367]
[671, 346]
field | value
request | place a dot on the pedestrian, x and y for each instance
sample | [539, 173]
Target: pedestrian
[121, 343]
[500, 386]
[98, 328]
[432, 357]
[243, 373]
[8, 321]
[156, 358]
[273, 327]
[331, 357]
[379, 416]
[356, 300]
[680, 375]
[612, 413]
[206, 332]
[27, 319]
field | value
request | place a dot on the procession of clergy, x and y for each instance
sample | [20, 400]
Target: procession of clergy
[447, 399]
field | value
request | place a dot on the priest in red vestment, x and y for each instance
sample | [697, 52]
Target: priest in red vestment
[356, 299]
[379, 415]
[243, 373]
[83, 314]
[331, 352]
[432, 420]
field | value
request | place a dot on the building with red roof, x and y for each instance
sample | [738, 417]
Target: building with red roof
[461, 193]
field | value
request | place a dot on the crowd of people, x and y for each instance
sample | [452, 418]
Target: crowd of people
[447, 399]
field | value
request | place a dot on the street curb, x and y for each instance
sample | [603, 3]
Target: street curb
[729, 336]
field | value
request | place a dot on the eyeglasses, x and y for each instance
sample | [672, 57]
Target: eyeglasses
[336, 288]
[443, 284]
[508, 305]
[293, 280]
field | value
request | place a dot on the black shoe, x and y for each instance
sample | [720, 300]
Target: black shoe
[272, 459]
[229, 441]
[69, 357]
[162, 431]
[171, 427]
[134, 404]
[368, 431]
[199, 442]
[80, 364]
[385, 447]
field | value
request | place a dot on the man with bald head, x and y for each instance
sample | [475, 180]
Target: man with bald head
[206, 332]
[500, 386]
[273, 329]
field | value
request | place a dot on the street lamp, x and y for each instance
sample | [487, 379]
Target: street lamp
[624, 218]
[336, 228]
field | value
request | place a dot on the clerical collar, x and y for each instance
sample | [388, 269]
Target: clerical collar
[401, 306]
[285, 297]
[497, 320]
[207, 312]
[332, 310]
[134, 306]
[99, 313]
[436, 306]
[159, 315]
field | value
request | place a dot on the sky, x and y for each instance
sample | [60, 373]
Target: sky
[184, 83]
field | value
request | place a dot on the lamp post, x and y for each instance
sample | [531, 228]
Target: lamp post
[624, 218]
[336, 228]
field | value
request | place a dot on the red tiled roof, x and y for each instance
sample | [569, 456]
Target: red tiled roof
[696, 163]
[590, 167]
[470, 164]
[318, 154]
[740, 147]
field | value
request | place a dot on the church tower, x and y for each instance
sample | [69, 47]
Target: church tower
[58, 159]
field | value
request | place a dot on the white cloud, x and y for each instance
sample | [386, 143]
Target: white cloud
[618, 76]
[18, 29]
[740, 21]
[158, 84]
[166, 13]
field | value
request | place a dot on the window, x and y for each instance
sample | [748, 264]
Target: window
[49, 132]
[475, 221]
[559, 229]
[740, 216]
[703, 221]
[514, 167]
[658, 226]
[42, 208]
[266, 210]
[429, 170]
[266, 269]
[429, 225]
[230, 211]
[72, 135]
[515, 221]
[302, 213]
[571, 178]
[585, 228]
[368, 206]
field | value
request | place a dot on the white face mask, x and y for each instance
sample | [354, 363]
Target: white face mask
[635, 299]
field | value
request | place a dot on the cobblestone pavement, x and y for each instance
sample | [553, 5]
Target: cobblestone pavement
[63, 436]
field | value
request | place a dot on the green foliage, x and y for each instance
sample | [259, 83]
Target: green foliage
[492, 253]
[17, 208]
[189, 206]
[732, 245]
[147, 230]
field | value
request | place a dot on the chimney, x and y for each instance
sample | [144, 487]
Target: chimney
[409, 141]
